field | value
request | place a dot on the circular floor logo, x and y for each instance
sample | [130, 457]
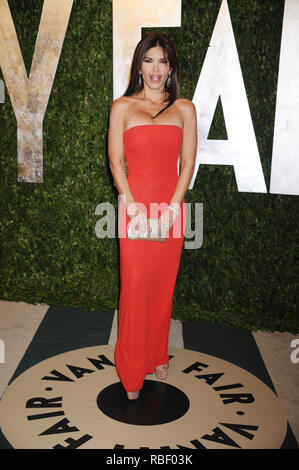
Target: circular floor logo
[76, 400]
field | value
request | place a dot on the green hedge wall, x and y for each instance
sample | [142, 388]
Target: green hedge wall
[244, 275]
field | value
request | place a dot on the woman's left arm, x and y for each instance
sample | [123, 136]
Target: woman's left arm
[188, 155]
[188, 151]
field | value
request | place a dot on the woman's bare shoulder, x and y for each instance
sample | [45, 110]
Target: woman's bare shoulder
[187, 108]
[121, 103]
[119, 109]
[120, 106]
[124, 101]
[185, 104]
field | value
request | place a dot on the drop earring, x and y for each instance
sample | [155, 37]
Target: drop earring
[139, 82]
[168, 80]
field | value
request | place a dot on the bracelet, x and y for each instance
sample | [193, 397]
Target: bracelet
[176, 211]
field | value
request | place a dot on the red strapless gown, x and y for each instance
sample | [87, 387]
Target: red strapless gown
[148, 269]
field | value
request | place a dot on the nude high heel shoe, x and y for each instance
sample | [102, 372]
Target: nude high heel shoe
[162, 371]
[133, 395]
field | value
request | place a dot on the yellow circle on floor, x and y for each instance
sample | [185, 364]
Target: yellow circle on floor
[76, 400]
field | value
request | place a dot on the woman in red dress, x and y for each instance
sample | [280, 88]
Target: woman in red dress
[155, 147]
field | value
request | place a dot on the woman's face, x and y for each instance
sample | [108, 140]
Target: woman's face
[155, 68]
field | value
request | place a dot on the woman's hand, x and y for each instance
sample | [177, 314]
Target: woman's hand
[168, 218]
[138, 219]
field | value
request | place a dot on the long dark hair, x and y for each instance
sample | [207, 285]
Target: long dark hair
[154, 39]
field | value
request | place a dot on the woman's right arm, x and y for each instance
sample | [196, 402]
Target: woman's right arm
[116, 150]
[117, 162]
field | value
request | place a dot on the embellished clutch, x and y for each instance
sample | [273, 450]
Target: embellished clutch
[153, 235]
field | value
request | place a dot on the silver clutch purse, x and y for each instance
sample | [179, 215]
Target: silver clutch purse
[153, 235]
